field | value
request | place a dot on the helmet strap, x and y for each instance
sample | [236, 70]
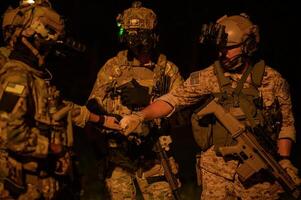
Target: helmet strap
[35, 52]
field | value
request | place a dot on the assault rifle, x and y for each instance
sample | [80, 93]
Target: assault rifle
[160, 147]
[254, 158]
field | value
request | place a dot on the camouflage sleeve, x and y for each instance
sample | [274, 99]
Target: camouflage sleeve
[187, 93]
[79, 114]
[282, 92]
[17, 121]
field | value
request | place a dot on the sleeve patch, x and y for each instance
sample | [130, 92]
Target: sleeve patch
[14, 88]
[11, 96]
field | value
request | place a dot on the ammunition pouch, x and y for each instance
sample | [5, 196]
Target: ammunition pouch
[207, 132]
[11, 174]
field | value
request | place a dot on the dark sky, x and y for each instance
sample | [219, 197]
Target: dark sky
[93, 23]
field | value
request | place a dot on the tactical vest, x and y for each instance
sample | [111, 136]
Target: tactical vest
[43, 104]
[122, 152]
[124, 71]
[243, 103]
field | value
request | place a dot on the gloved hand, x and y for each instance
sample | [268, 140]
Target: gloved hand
[291, 170]
[130, 122]
[109, 122]
[134, 95]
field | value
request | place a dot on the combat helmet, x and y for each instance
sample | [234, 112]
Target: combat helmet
[137, 28]
[32, 22]
[240, 32]
[137, 17]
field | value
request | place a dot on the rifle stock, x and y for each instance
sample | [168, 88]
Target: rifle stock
[253, 156]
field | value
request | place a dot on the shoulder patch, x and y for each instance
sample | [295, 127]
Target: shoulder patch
[195, 78]
[14, 88]
[10, 97]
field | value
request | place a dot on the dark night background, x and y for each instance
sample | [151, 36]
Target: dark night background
[93, 23]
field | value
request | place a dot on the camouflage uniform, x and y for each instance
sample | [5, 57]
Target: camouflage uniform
[219, 178]
[34, 121]
[120, 182]
[29, 123]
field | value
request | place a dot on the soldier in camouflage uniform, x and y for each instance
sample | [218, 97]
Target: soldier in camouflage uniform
[251, 91]
[35, 124]
[126, 83]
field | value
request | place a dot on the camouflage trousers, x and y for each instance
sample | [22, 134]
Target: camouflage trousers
[45, 188]
[35, 187]
[121, 186]
[219, 181]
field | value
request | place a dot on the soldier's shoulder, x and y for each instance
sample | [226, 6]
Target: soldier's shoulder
[4, 51]
[208, 72]
[272, 74]
[200, 76]
[14, 71]
[117, 60]
[171, 67]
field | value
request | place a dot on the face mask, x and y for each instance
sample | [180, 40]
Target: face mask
[139, 41]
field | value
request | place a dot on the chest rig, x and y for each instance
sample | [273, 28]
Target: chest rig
[124, 71]
[44, 106]
[153, 75]
[51, 114]
[244, 103]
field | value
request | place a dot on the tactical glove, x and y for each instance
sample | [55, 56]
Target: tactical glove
[134, 95]
[130, 122]
[291, 170]
[109, 122]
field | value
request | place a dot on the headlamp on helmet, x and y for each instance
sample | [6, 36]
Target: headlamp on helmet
[36, 2]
